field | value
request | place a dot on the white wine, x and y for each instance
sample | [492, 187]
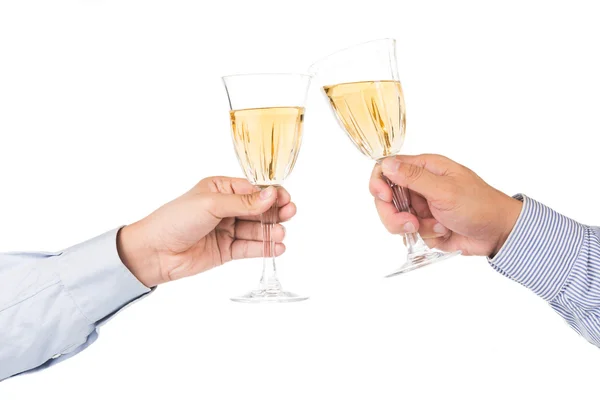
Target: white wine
[372, 113]
[267, 141]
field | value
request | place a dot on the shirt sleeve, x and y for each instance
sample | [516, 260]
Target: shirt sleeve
[52, 304]
[559, 260]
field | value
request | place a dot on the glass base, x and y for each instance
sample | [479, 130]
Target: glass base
[268, 296]
[422, 260]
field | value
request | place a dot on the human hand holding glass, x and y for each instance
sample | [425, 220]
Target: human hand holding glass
[364, 91]
[267, 114]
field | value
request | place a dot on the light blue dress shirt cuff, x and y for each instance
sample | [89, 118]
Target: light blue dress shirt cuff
[541, 249]
[96, 278]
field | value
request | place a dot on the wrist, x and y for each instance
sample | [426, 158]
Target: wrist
[138, 256]
[509, 209]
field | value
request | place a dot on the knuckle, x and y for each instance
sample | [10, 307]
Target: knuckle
[413, 172]
[442, 163]
[248, 202]
[206, 182]
[217, 184]
[202, 186]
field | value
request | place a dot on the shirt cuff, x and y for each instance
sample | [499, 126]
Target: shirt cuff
[94, 275]
[541, 249]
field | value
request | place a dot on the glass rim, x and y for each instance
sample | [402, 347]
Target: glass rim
[311, 69]
[259, 74]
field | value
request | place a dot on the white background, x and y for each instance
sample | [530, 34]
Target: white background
[108, 109]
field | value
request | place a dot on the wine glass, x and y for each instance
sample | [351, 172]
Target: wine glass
[364, 91]
[267, 114]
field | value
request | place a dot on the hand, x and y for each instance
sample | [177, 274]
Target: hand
[215, 222]
[455, 209]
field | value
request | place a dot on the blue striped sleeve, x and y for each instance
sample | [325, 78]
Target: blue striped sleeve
[559, 260]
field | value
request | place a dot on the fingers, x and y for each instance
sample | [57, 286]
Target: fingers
[239, 205]
[419, 204]
[443, 242]
[287, 209]
[378, 187]
[434, 163]
[245, 201]
[394, 221]
[287, 212]
[402, 222]
[225, 185]
[413, 177]
[251, 249]
[248, 230]
[283, 197]
[429, 228]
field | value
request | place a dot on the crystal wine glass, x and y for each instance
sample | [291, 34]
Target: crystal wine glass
[267, 114]
[364, 91]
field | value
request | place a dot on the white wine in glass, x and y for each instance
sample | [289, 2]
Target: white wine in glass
[372, 114]
[267, 114]
[364, 91]
[267, 141]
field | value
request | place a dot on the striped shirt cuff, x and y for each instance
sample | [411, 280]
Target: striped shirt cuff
[541, 249]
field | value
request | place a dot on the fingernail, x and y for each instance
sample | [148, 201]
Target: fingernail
[409, 228]
[390, 165]
[381, 196]
[439, 228]
[266, 193]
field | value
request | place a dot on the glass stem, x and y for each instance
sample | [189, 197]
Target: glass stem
[416, 246]
[269, 281]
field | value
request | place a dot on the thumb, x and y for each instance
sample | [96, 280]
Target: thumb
[236, 205]
[412, 174]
